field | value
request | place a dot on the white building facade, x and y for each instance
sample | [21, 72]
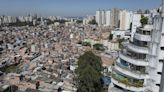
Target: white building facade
[125, 19]
[139, 67]
[135, 23]
[98, 17]
[108, 13]
[101, 17]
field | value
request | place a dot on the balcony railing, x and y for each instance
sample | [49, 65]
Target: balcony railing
[133, 60]
[142, 37]
[143, 32]
[127, 81]
[130, 72]
[138, 49]
[139, 44]
[123, 85]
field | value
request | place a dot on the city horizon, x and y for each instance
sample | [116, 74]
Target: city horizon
[70, 8]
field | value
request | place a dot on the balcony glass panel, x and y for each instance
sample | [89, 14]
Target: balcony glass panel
[139, 43]
[143, 32]
[134, 55]
[131, 67]
[127, 81]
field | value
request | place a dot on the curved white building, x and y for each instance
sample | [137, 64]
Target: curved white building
[139, 67]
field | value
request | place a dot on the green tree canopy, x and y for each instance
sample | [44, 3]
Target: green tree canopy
[79, 21]
[99, 47]
[120, 43]
[93, 22]
[144, 20]
[86, 44]
[89, 73]
[110, 37]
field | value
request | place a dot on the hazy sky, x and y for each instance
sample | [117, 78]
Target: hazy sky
[70, 7]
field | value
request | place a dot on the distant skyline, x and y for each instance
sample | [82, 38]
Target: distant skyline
[70, 7]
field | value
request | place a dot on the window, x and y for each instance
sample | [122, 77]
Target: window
[158, 85]
[161, 60]
[162, 48]
[118, 36]
[159, 73]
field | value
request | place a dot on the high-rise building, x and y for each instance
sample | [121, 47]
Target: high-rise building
[21, 19]
[115, 17]
[139, 67]
[135, 23]
[98, 17]
[125, 19]
[30, 18]
[101, 17]
[85, 21]
[108, 13]
[9, 19]
[88, 19]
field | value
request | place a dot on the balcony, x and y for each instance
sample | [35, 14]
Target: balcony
[138, 62]
[143, 34]
[120, 84]
[125, 83]
[142, 37]
[130, 72]
[138, 49]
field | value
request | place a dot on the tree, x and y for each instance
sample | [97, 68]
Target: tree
[86, 44]
[93, 22]
[110, 36]
[49, 21]
[144, 20]
[62, 21]
[120, 43]
[89, 73]
[79, 21]
[19, 23]
[99, 47]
